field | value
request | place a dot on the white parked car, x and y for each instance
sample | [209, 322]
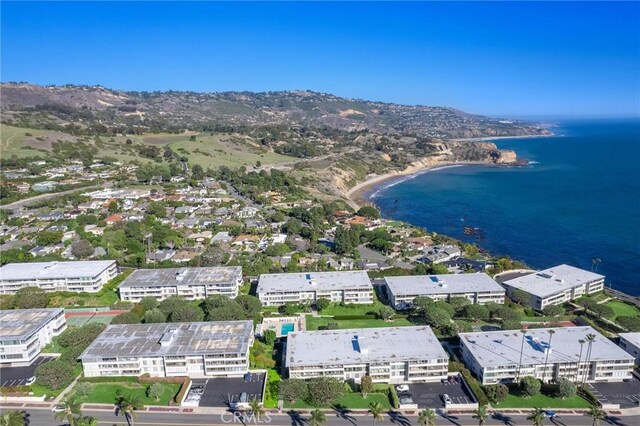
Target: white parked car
[58, 408]
[402, 388]
[446, 399]
[31, 380]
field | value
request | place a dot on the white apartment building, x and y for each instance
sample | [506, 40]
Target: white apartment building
[494, 356]
[630, 342]
[190, 283]
[24, 332]
[307, 287]
[478, 288]
[388, 355]
[196, 349]
[555, 286]
[81, 276]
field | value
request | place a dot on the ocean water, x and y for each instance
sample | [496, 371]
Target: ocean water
[578, 200]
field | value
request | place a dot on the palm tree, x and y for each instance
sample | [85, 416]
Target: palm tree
[481, 414]
[537, 417]
[86, 421]
[12, 418]
[524, 332]
[256, 409]
[590, 339]
[596, 414]
[70, 408]
[376, 409]
[317, 418]
[128, 405]
[546, 358]
[427, 417]
[582, 342]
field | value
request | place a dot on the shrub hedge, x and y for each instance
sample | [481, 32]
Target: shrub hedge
[354, 317]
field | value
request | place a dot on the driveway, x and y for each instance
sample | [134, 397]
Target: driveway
[18, 376]
[220, 392]
[627, 394]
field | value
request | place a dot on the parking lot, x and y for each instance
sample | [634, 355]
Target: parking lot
[627, 394]
[18, 376]
[220, 392]
[429, 395]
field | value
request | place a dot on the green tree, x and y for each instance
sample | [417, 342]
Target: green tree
[251, 305]
[366, 385]
[437, 317]
[49, 238]
[187, 313]
[256, 409]
[386, 313]
[12, 418]
[128, 406]
[149, 303]
[566, 388]
[126, 318]
[369, 212]
[496, 393]
[376, 409]
[324, 390]
[292, 390]
[530, 386]
[154, 316]
[156, 209]
[86, 421]
[596, 415]
[630, 323]
[289, 308]
[322, 304]
[537, 416]
[269, 337]
[427, 417]
[31, 298]
[55, 375]
[481, 414]
[458, 303]
[520, 296]
[70, 409]
[155, 391]
[82, 249]
[317, 418]
[82, 389]
[476, 312]
[553, 310]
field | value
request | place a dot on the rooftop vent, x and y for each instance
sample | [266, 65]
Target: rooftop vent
[168, 336]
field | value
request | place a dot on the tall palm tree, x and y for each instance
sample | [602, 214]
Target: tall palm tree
[256, 409]
[427, 417]
[596, 414]
[86, 421]
[481, 414]
[546, 358]
[70, 408]
[12, 418]
[590, 339]
[537, 417]
[317, 418]
[582, 342]
[128, 405]
[524, 332]
[376, 409]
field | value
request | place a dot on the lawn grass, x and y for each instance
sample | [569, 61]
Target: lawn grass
[53, 347]
[353, 309]
[542, 401]
[314, 322]
[622, 309]
[349, 400]
[107, 393]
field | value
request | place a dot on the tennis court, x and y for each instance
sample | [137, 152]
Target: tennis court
[78, 319]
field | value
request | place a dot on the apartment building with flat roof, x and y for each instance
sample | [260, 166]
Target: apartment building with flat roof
[630, 342]
[81, 276]
[307, 287]
[190, 283]
[196, 349]
[388, 355]
[494, 356]
[555, 286]
[478, 288]
[24, 332]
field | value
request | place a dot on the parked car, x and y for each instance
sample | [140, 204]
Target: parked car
[550, 414]
[402, 388]
[406, 400]
[446, 399]
[247, 377]
[31, 380]
[58, 408]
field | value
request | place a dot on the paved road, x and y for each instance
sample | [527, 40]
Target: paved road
[18, 376]
[370, 255]
[44, 417]
[17, 205]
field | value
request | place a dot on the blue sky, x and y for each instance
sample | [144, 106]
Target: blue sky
[503, 59]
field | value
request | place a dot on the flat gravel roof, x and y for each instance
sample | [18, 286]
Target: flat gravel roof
[438, 284]
[311, 281]
[182, 276]
[48, 270]
[553, 280]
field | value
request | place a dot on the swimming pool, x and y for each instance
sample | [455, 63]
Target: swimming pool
[287, 328]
